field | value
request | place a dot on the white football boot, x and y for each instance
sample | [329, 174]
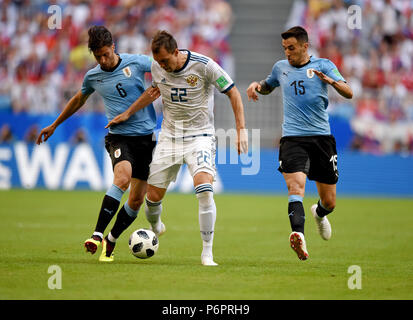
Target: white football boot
[161, 231]
[208, 261]
[323, 225]
[297, 243]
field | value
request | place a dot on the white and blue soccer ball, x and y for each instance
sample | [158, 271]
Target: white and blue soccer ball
[143, 243]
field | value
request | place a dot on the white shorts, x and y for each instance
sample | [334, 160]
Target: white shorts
[197, 152]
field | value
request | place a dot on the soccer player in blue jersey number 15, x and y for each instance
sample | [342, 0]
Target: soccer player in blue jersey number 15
[119, 79]
[307, 148]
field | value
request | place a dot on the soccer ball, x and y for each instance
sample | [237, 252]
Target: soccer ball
[143, 243]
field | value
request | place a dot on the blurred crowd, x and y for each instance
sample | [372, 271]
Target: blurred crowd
[41, 67]
[377, 61]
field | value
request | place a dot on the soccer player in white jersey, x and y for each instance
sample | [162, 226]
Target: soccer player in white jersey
[186, 81]
[307, 148]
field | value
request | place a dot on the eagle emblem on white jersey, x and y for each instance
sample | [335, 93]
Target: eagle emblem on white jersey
[127, 72]
[192, 80]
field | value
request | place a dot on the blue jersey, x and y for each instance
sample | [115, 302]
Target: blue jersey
[305, 96]
[119, 89]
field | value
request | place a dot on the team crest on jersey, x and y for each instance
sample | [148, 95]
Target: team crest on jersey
[192, 80]
[310, 73]
[127, 72]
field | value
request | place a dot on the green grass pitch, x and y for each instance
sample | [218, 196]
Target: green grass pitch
[44, 228]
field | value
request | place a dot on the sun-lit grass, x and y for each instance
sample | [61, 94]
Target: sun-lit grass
[44, 228]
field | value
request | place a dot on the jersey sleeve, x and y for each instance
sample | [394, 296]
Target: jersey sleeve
[154, 74]
[330, 69]
[145, 62]
[218, 77]
[272, 79]
[87, 86]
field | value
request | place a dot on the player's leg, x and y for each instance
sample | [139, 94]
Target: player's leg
[324, 172]
[139, 151]
[167, 160]
[153, 208]
[294, 165]
[126, 215]
[207, 214]
[200, 158]
[324, 206]
[122, 178]
[110, 204]
[296, 189]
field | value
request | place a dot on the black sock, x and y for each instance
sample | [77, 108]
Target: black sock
[297, 216]
[321, 212]
[107, 211]
[123, 221]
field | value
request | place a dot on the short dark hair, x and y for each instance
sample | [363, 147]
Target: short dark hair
[297, 32]
[163, 39]
[99, 37]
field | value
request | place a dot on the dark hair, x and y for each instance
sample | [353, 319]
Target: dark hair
[99, 37]
[297, 32]
[163, 39]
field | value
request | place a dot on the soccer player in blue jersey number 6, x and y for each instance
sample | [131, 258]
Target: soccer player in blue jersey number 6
[307, 148]
[119, 79]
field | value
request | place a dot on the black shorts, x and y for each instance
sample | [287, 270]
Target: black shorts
[316, 156]
[135, 149]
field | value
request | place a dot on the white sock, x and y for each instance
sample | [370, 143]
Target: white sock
[99, 234]
[207, 216]
[111, 238]
[153, 212]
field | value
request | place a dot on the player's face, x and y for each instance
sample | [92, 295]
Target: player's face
[106, 56]
[295, 51]
[168, 61]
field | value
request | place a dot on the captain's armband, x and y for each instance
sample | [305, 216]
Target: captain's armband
[265, 88]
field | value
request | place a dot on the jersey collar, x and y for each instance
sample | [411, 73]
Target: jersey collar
[115, 67]
[186, 62]
[303, 65]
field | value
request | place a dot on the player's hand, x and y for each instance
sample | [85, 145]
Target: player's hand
[323, 77]
[242, 141]
[252, 91]
[45, 134]
[118, 119]
[154, 93]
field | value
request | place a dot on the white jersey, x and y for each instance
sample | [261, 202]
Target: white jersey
[188, 95]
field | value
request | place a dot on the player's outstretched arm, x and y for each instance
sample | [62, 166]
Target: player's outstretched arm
[341, 87]
[74, 104]
[147, 97]
[261, 87]
[238, 108]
